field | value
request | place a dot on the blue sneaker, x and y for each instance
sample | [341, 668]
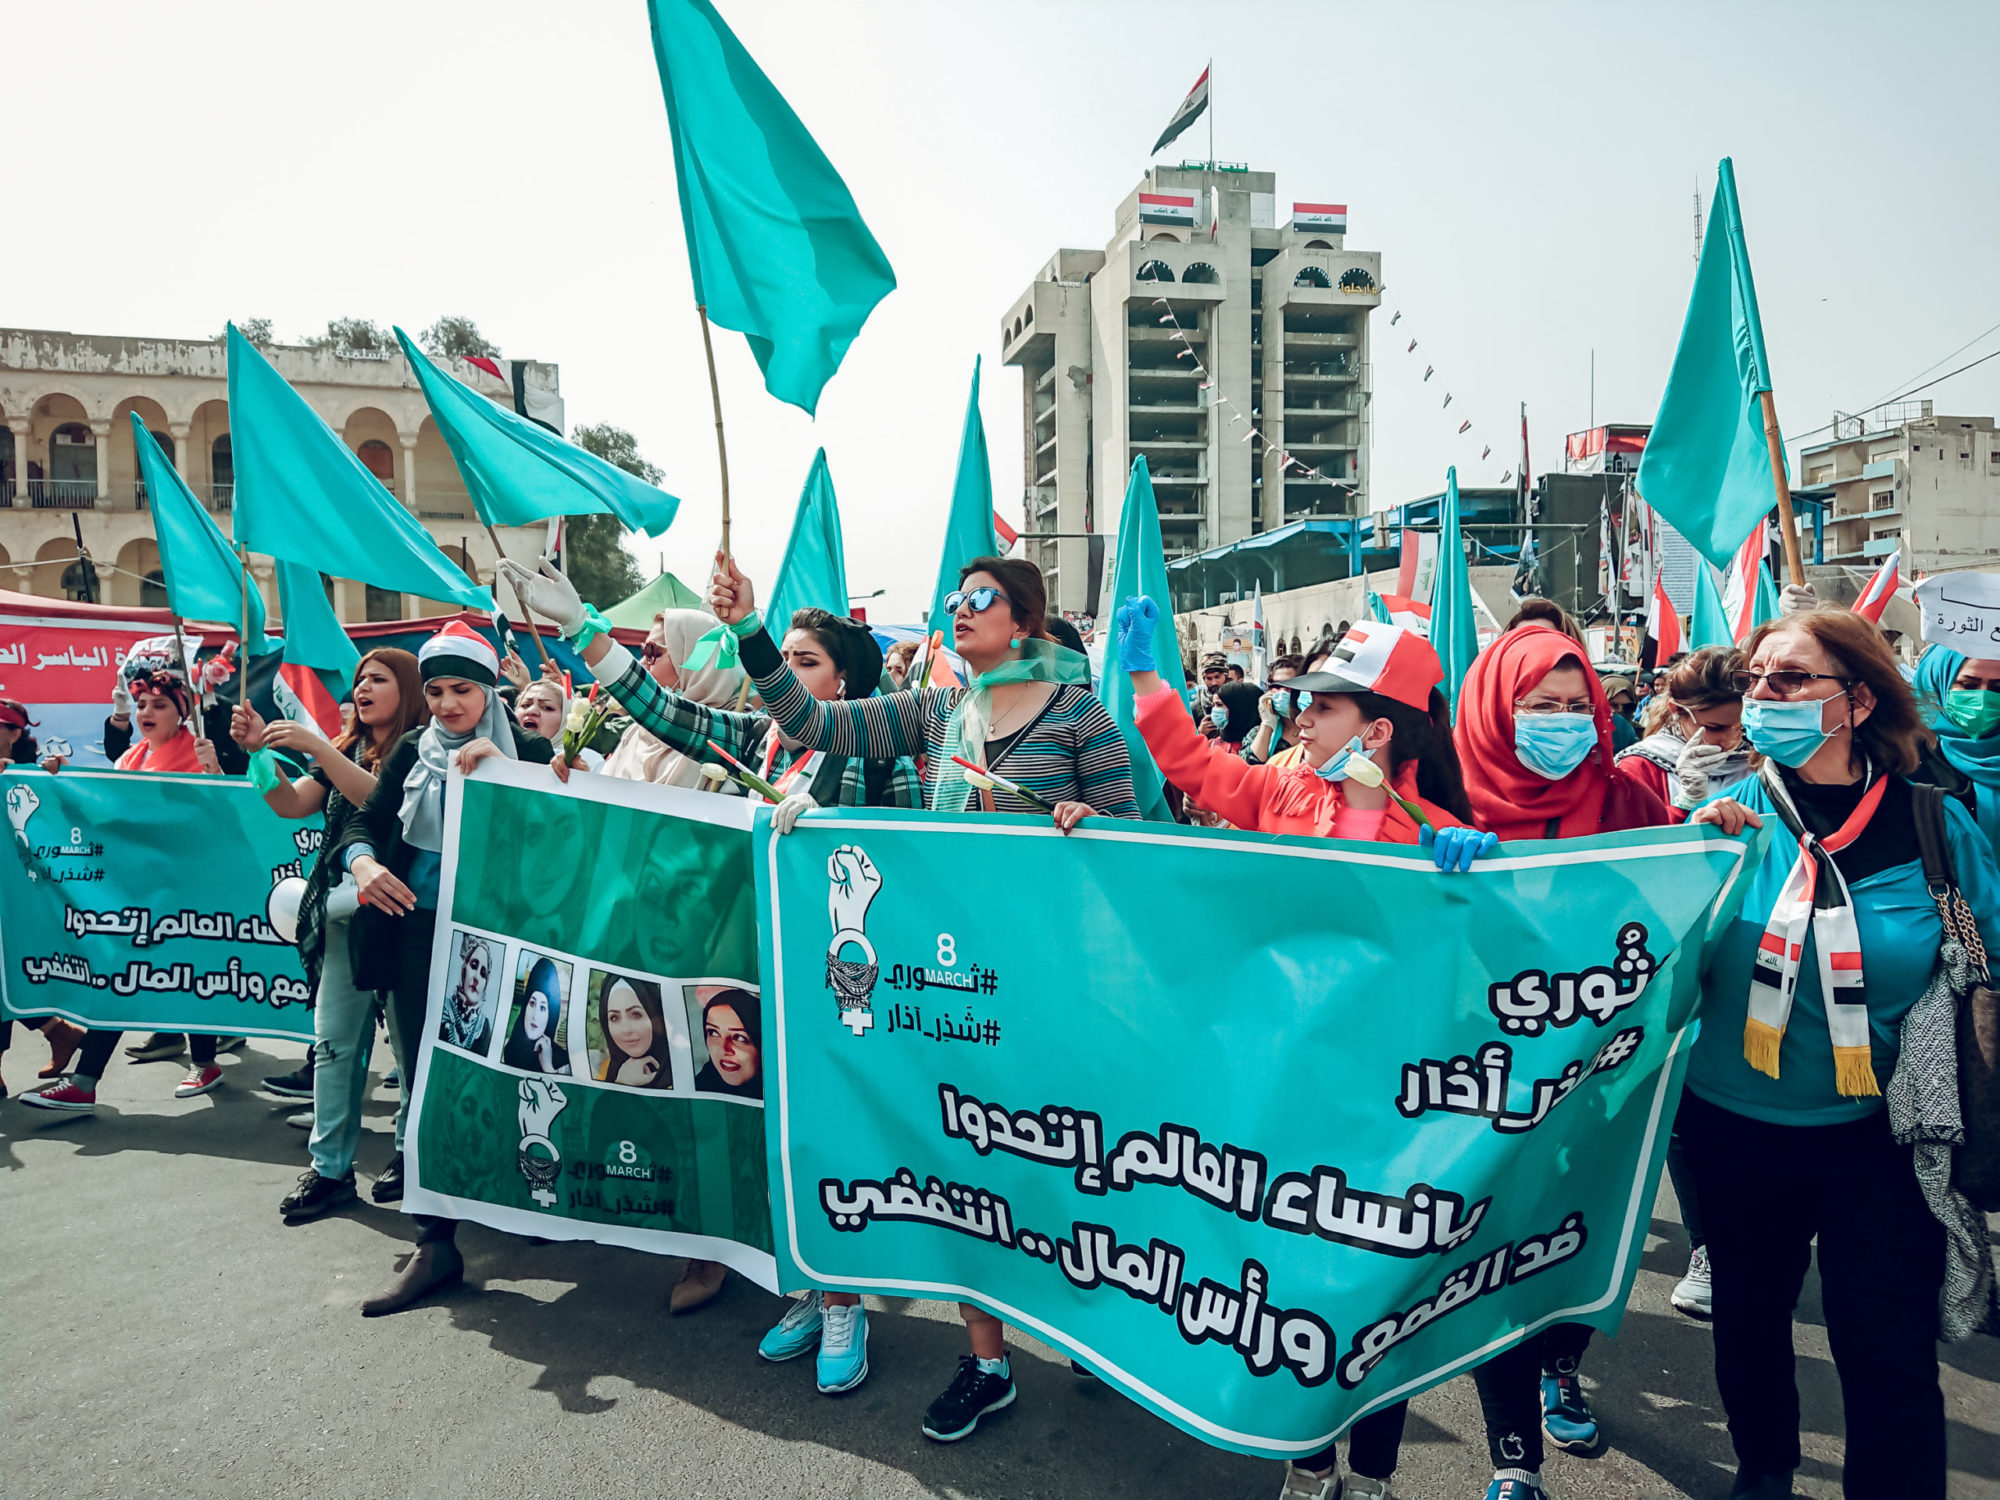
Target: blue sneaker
[843, 1348]
[795, 1333]
[1516, 1484]
[1566, 1414]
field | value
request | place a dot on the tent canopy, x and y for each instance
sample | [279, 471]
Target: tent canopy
[664, 592]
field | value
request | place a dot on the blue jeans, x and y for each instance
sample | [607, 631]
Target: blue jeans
[343, 1035]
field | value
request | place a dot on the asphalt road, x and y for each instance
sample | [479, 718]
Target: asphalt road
[165, 1334]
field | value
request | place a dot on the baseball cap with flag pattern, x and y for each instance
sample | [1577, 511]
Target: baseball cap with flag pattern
[1377, 658]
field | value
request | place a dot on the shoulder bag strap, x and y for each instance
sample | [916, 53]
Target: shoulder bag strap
[1941, 877]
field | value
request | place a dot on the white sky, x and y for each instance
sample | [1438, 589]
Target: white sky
[1527, 172]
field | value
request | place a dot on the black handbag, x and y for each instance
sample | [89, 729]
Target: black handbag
[1976, 1164]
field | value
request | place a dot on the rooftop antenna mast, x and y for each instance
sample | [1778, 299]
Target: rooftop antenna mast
[1697, 219]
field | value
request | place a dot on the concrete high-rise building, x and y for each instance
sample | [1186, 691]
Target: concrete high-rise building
[1231, 351]
[1905, 478]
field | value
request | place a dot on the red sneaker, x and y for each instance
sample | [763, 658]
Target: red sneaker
[64, 1095]
[199, 1081]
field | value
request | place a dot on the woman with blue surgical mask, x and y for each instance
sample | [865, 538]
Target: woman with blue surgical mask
[1804, 1002]
[1534, 739]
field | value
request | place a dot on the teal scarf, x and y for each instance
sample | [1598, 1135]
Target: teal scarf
[972, 715]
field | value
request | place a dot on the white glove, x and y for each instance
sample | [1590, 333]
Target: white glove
[786, 814]
[1691, 771]
[547, 593]
[1797, 598]
[121, 701]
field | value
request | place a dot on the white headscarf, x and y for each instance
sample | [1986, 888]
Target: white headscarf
[422, 812]
[643, 756]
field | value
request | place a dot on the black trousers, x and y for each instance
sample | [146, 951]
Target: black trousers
[1510, 1392]
[95, 1053]
[1373, 1445]
[413, 935]
[1682, 1177]
[1766, 1191]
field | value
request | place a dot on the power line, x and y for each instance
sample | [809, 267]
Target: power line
[1794, 437]
[1930, 367]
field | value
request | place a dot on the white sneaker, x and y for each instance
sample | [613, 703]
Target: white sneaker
[1693, 1293]
[1303, 1484]
[1361, 1487]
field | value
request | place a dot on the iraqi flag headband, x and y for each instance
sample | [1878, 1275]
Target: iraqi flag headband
[459, 651]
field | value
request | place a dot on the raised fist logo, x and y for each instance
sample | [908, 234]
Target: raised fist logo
[539, 1159]
[852, 883]
[21, 806]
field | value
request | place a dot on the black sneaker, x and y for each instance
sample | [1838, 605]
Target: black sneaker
[316, 1195]
[298, 1085]
[973, 1393]
[389, 1182]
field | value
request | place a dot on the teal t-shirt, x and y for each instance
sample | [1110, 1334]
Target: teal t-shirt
[1899, 930]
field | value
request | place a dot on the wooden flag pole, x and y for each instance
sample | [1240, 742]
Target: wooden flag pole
[1787, 527]
[721, 449]
[520, 603]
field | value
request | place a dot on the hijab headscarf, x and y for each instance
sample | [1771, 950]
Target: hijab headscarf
[643, 756]
[457, 653]
[1508, 798]
[1977, 758]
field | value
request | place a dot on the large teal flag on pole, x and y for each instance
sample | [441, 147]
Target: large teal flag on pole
[519, 472]
[1140, 569]
[777, 249]
[968, 530]
[1454, 631]
[1707, 465]
[814, 571]
[302, 495]
[204, 577]
[313, 637]
[1709, 624]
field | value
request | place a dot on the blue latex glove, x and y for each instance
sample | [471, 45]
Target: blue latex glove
[1455, 848]
[1219, 716]
[1138, 620]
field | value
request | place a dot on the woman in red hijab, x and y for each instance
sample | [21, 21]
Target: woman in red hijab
[1534, 742]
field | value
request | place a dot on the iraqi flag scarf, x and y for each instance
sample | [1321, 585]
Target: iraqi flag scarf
[1814, 896]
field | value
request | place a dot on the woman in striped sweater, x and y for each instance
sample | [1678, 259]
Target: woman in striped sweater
[1029, 715]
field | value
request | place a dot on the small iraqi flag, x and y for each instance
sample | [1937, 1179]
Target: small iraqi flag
[1167, 208]
[1881, 588]
[1186, 115]
[1007, 534]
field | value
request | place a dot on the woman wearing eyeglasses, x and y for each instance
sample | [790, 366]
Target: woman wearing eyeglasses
[1029, 716]
[1803, 1003]
[1534, 739]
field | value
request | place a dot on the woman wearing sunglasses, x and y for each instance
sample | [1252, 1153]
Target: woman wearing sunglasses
[641, 755]
[1028, 715]
[1534, 738]
[1802, 1008]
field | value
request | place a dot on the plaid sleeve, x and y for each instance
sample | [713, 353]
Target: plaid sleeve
[883, 727]
[681, 722]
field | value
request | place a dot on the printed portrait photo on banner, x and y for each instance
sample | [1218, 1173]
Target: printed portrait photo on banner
[626, 1032]
[728, 1034]
[471, 992]
[535, 1041]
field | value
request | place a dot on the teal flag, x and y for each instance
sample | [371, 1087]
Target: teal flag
[1493, 1062]
[204, 577]
[519, 472]
[814, 571]
[302, 494]
[1707, 465]
[1765, 605]
[1454, 630]
[1709, 624]
[313, 635]
[777, 249]
[968, 530]
[143, 902]
[1140, 569]
[629, 1109]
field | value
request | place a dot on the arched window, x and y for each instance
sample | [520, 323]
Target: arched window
[166, 445]
[153, 589]
[1201, 273]
[77, 582]
[1319, 244]
[384, 604]
[1031, 317]
[1355, 279]
[378, 460]
[1154, 270]
[221, 471]
[73, 460]
[1312, 276]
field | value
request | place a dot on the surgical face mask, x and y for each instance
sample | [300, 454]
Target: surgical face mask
[1338, 766]
[1788, 732]
[1553, 745]
[1975, 710]
[1281, 703]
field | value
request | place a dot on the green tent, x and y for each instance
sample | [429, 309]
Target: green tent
[664, 592]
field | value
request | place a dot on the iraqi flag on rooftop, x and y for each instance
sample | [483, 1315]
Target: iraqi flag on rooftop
[531, 401]
[1190, 111]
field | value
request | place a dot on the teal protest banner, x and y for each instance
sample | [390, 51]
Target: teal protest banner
[138, 901]
[1266, 1168]
[592, 1057]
